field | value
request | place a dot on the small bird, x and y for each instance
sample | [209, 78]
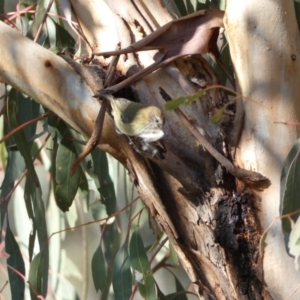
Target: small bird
[136, 119]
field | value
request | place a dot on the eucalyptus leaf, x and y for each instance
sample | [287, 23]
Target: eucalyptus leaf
[37, 286]
[294, 245]
[15, 167]
[122, 277]
[38, 18]
[63, 38]
[173, 254]
[34, 194]
[173, 104]
[217, 117]
[139, 262]
[181, 294]
[66, 185]
[20, 137]
[15, 264]
[2, 3]
[99, 270]
[290, 187]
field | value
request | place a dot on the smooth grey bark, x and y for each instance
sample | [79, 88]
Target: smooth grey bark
[264, 45]
[215, 230]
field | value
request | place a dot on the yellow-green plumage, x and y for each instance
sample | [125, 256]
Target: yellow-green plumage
[137, 119]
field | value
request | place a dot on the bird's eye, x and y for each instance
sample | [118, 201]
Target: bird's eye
[156, 120]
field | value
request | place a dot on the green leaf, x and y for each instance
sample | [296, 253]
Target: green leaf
[139, 262]
[98, 210]
[173, 254]
[83, 183]
[29, 1]
[63, 37]
[262, 243]
[15, 261]
[15, 161]
[2, 3]
[34, 195]
[122, 278]
[173, 104]
[31, 243]
[15, 167]
[30, 213]
[37, 285]
[38, 18]
[29, 109]
[177, 296]
[20, 137]
[180, 291]
[100, 173]
[158, 239]
[218, 116]
[99, 270]
[67, 185]
[293, 244]
[104, 183]
[290, 187]
[297, 11]
[160, 294]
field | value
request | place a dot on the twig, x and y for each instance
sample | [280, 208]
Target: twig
[12, 132]
[287, 123]
[242, 174]
[94, 139]
[97, 130]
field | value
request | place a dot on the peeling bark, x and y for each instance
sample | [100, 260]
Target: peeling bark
[211, 219]
[268, 78]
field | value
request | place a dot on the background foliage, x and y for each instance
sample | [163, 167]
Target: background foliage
[89, 234]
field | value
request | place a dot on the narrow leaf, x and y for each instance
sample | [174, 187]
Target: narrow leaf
[290, 187]
[180, 291]
[173, 104]
[30, 213]
[98, 210]
[99, 270]
[15, 167]
[34, 194]
[100, 173]
[31, 243]
[160, 294]
[177, 296]
[35, 276]
[15, 261]
[139, 262]
[15, 161]
[38, 18]
[67, 185]
[63, 37]
[262, 243]
[2, 3]
[173, 255]
[122, 278]
[294, 246]
[218, 116]
[20, 137]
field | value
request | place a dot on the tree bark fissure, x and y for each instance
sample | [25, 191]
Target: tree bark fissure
[214, 221]
[176, 189]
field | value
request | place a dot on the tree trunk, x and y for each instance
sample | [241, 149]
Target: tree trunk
[264, 45]
[213, 220]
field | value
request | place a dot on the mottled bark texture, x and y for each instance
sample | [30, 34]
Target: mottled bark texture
[208, 215]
